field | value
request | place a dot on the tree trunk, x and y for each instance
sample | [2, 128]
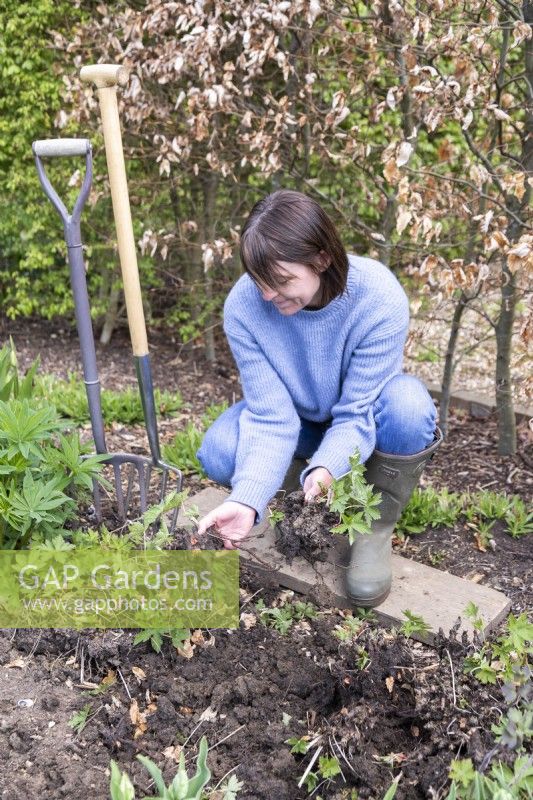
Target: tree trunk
[447, 374]
[460, 308]
[504, 326]
[111, 315]
[504, 397]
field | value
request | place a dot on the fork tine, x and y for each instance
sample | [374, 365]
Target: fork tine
[163, 485]
[119, 492]
[175, 512]
[97, 501]
[129, 489]
[142, 485]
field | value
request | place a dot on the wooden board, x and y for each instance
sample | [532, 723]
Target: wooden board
[435, 595]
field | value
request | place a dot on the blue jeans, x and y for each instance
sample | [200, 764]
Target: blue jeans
[404, 414]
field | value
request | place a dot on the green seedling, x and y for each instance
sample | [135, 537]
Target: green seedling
[518, 520]
[328, 768]
[78, 721]
[496, 661]
[482, 532]
[414, 624]
[354, 501]
[281, 618]
[193, 513]
[181, 788]
[348, 630]
[298, 746]
[515, 728]
[436, 558]
[362, 659]
[274, 517]
[503, 782]
[156, 635]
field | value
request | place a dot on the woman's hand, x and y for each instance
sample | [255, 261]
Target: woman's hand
[315, 483]
[233, 521]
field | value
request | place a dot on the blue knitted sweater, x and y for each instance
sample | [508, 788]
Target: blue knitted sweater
[325, 364]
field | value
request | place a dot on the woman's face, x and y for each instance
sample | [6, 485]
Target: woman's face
[297, 286]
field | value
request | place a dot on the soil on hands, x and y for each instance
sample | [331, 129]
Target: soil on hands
[305, 529]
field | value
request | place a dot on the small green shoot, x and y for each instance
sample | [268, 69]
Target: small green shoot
[281, 618]
[156, 635]
[414, 624]
[274, 517]
[78, 721]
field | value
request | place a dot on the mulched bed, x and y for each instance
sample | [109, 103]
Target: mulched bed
[409, 710]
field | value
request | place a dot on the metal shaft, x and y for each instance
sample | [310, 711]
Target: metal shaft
[85, 331]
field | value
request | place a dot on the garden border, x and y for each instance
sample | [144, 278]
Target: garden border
[478, 405]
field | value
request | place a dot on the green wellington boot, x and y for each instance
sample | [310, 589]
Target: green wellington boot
[369, 574]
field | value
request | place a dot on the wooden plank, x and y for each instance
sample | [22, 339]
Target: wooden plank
[435, 595]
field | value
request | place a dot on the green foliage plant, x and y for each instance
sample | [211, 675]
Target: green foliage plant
[156, 636]
[502, 783]
[414, 625]
[518, 519]
[181, 788]
[328, 768]
[182, 450]
[41, 473]
[149, 532]
[122, 406]
[354, 501]
[79, 720]
[12, 385]
[281, 618]
[515, 728]
[275, 516]
[491, 662]
[431, 508]
[348, 630]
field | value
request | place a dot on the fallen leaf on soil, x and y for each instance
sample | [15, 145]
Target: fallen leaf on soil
[173, 752]
[139, 673]
[248, 620]
[480, 543]
[197, 637]
[283, 597]
[109, 679]
[389, 683]
[19, 663]
[208, 715]
[185, 710]
[187, 649]
[138, 717]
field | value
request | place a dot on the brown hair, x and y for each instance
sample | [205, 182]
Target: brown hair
[289, 226]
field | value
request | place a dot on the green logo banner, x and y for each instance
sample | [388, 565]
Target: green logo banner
[95, 588]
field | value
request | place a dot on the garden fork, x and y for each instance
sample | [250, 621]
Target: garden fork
[106, 78]
[140, 465]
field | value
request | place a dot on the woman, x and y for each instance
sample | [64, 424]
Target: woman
[318, 339]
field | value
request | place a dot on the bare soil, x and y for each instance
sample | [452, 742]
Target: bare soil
[410, 709]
